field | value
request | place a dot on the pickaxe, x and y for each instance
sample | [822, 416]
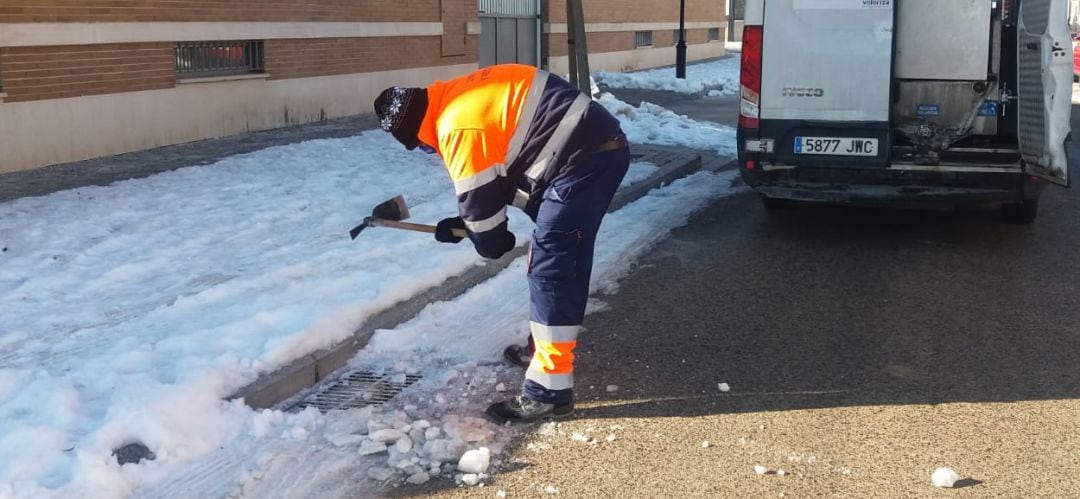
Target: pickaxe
[390, 213]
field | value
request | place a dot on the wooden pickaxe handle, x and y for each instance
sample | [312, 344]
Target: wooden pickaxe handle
[430, 229]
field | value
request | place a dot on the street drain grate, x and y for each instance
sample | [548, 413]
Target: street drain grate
[356, 389]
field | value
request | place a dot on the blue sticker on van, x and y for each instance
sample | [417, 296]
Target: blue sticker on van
[923, 110]
[988, 108]
[798, 145]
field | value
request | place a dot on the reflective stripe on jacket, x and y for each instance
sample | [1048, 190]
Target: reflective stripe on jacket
[504, 133]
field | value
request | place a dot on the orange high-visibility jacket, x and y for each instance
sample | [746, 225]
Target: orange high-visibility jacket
[505, 132]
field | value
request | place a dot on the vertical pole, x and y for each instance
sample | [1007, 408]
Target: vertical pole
[680, 48]
[571, 54]
[578, 48]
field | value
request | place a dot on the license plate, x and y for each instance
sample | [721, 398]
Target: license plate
[836, 146]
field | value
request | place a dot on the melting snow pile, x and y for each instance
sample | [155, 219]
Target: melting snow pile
[714, 78]
[652, 124]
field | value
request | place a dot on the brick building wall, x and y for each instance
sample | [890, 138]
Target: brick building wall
[611, 26]
[35, 73]
[86, 78]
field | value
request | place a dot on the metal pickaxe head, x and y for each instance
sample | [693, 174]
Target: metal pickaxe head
[393, 209]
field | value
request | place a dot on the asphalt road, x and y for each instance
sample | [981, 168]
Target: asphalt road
[864, 348]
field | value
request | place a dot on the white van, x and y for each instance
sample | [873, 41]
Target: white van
[943, 102]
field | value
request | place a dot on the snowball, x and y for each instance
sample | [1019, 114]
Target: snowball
[612, 388]
[611, 437]
[475, 461]
[419, 478]
[761, 470]
[500, 494]
[551, 489]
[369, 447]
[705, 444]
[944, 477]
[388, 435]
[781, 472]
[724, 387]
[470, 479]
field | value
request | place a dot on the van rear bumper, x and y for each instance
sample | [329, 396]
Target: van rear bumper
[884, 186]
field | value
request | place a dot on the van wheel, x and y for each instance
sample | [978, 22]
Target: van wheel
[774, 204]
[1020, 213]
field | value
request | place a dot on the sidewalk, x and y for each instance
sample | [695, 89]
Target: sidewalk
[138, 306]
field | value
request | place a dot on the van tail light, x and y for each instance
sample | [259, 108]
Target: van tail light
[1006, 11]
[750, 78]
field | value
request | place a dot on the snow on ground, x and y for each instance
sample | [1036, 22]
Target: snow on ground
[457, 346]
[131, 310]
[721, 75]
[652, 124]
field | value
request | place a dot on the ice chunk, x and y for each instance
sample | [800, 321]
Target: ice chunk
[724, 387]
[470, 479]
[369, 447]
[612, 388]
[404, 444]
[387, 435]
[419, 478]
[781, 472]
[761, 470]
[475, 461]
[500, 494]
[551, 489]
[345, 440]
[611, 437]
[446, 450]
[380, 474]
[944, 477]
[580, 437]
[705, 444]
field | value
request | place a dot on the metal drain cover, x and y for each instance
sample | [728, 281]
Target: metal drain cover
[356, 389]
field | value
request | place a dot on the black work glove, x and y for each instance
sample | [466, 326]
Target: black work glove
[495, 243]
[444, 230]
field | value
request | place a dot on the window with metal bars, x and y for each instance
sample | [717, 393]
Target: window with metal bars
[219, 58]
[643, 38]
[714, 34]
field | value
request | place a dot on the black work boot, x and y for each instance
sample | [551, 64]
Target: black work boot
[525, 410]
[518, 355]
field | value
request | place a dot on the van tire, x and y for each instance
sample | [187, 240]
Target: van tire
[776, 204]
[1020, 213]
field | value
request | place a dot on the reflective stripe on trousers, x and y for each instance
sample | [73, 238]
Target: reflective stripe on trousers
[559, 268]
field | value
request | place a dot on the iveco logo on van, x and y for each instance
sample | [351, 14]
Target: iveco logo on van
[802, 92]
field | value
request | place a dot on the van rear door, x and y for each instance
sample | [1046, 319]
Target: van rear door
[1045, 87]
[826, 81]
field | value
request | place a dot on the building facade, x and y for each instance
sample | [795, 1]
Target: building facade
[86, 78]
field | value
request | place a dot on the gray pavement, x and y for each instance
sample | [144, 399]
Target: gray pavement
[863, 347]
